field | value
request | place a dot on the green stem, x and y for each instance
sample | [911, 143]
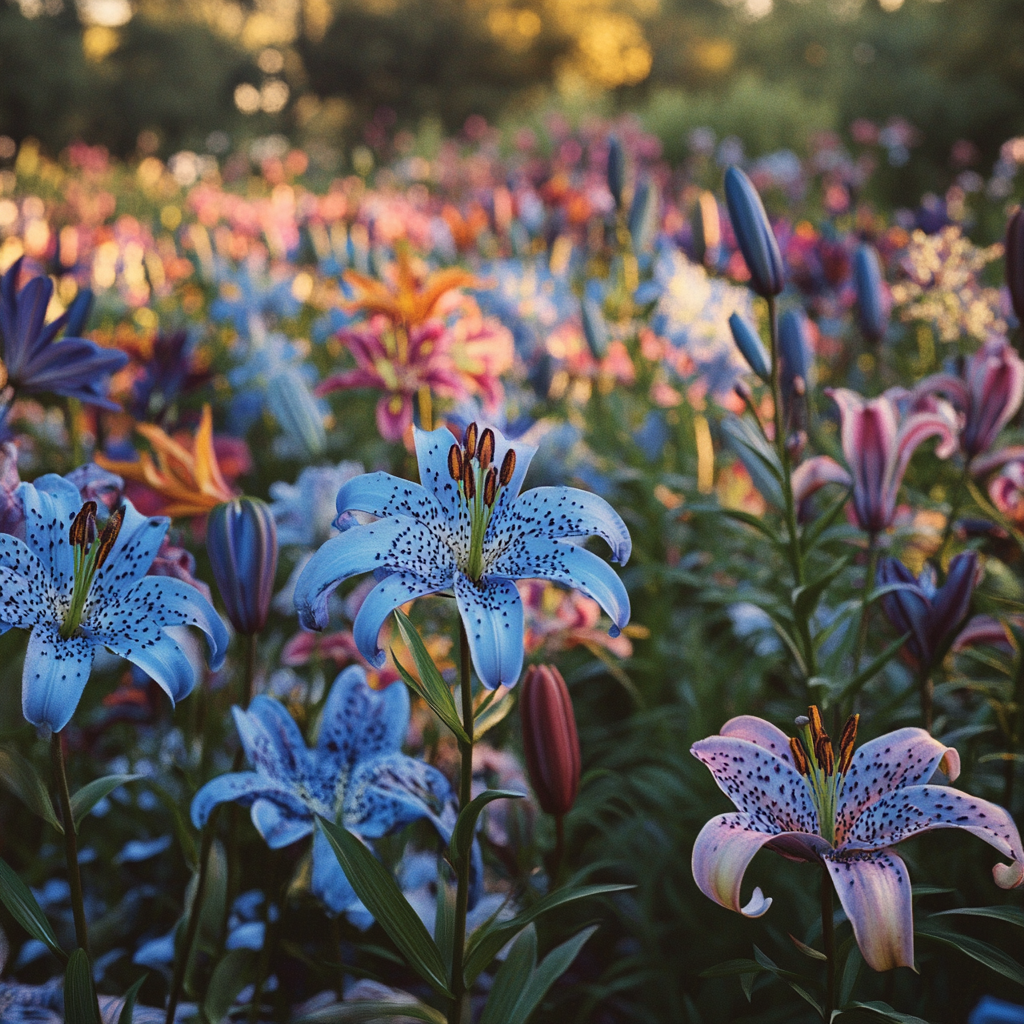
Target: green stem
[60, 776]
[1016, 734]
[249, 678]
[74, 414]
[271, 937]
[954, 509]
[869, 584]
[559, 854]
[829, 940]
[465, 795]
[926, 688]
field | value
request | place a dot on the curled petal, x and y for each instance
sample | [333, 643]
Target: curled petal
[243, 788]
[272, 742]
[757, 730]
[493, 615]
[982, 465]
[54, 677]
[813, 474]
[50, 508]
[160, 657]
[391, 593]
[278, 825]
[384, 495]
[874, 890]
[914, 430]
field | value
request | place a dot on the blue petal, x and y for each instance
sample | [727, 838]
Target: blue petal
[329, 884]
[562, 512]
[74, 367]
[278, 825]
[160, 657]
[48, 517]
[392, 791]
[241, 787]
[392, 592]
[272, 742]
[539, 558]
[17, 556]
[524, 456]
[492, 612]
[384, 495]
[55, 673]
[21, 603]
[432, 449]
[396, 543]
[133, 552]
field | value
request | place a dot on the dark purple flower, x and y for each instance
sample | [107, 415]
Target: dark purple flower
[1015, 262]
[168, 373]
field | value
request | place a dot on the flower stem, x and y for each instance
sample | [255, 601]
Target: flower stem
[465, 795]
[954, 509]
[1016, 734]
[249, 676]
[559, 854]
[70, 840]
[926, 689]
[828, 937]
[869, 583]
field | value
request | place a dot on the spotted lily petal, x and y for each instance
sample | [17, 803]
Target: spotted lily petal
[382, 495]
[48, 517]
[279, 825]
[21, 603]
[273, 743]
[391, 593]
[492, 611]
[388, 792]
[243, 788]
[159, 656]
[137, 544]
[56, 671]
[329, 883]
[757, 730]
[813, 474]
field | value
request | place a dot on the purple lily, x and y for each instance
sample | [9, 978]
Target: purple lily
[931, 614]
[846, 811]
[877, 444]
[987, 396]
[35, 360]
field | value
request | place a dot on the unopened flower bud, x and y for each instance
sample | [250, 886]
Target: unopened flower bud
[873, 302]
[241, 539]
[754, 234]
[750, 346]
[550, 741]
[616, 170]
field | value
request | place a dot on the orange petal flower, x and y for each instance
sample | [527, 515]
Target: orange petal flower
[189, 482]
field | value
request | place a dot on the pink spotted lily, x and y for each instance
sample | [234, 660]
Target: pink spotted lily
[846, 810]
[877, 444]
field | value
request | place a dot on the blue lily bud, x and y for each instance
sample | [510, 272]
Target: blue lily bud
[754, 234]
[795, 350]
[1015, 262]
[750, 346]
[872, 300]
[241, 540]
[78, 313]
[616, 170]
[643, 216]
[295, 409]
[595, 330]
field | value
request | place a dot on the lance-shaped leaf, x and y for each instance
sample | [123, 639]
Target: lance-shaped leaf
[234, 972]
[465, 826]
[128, 1009]
[80, 1004]
[370, 1011]
[18, 899]
[19, 776]
[550, 969]
[1012, 915]
[383, 898]
[512, 978]
[806, 598]
[92, 793]
[984, 952]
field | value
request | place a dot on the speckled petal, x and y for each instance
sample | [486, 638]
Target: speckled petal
[55, 673]
[724, 848]
[159, 656]
[905, 757]
[563, 512]
[760, 784]
[915, 809]
[492, 611]
[20, 560]
[50, 510]
[136, 546]
[524, 456]
[329, 883]
[874, 889]
[395, 543]
[568, 563]
[21, 603]
[757, 730]
[243, 788]
[389, 594]
[273, 743]
[278, 825]
[384, 495]
[432, 449]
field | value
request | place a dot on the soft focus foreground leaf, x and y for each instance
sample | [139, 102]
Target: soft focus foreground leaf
[873, 1012]
[496, 710]
[812, 534]
[810, 951]
[806, 598]
[230, 976]
[1012, 915]
[366, 1012]
[128, 1010]
[18, 899]
[486, 942]
[550, 969]
[90, 795]
[512, 978]
[79, 995]
[432, 688]
[465, 826]
[383, 898]
[984, 952]
[20, 777]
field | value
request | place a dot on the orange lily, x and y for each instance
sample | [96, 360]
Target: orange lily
[189, 482]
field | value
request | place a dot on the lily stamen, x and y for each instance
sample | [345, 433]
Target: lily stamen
[89, 556]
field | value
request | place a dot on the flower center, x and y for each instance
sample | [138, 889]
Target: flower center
[480, 484]
[90, 553]
[824, 773]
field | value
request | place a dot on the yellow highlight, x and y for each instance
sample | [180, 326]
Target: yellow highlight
[98, 42]
[705, 455]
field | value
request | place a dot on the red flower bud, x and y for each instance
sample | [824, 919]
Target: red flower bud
[550, 742]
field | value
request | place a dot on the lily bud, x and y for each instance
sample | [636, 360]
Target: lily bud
[550, 741]
[796, 365]
[1015, 262]
[643, 216]
[241, 539]
[292, 404]
[873, 304]
[754, 234]
[616, 170]
[750, 346]
[595, 330]
[707, 229]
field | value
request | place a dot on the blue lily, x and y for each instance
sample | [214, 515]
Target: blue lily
[77, 592]
[36, 360]
[467, 529]
[356, 775]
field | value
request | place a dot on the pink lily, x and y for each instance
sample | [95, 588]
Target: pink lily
[986, 396]
[877, 444]
[846, 811]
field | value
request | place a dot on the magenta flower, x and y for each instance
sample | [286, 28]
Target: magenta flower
[877, 444]
[986, 396]
[846, 811]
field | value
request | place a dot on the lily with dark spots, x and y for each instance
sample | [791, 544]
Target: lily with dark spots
[844, 808]
[467, 529]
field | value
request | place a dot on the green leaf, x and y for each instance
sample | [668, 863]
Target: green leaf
[444, 928]
[512, 978]
[731, 968]
[19, 776]
[234, 972]
[751, 520]
[18, 899]
[1012, 915]
[79, 995]
[182, 826]
[873, 1012]
[550, 969]
[984, 952]
[212, 913]
[128, 1010]
[369, 1012]
[431, 687]
[91, 794]
[852, 961]
[769, 964]
[465, 826]
[810, 536]
[383, 898]
[806, 598]
[487, 940]
[874, 667]
[495, 711]
[807, 950]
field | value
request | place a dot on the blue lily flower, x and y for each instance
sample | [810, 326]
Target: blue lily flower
[76, 593]
[36, 360]
[356, 775]
[468, 530]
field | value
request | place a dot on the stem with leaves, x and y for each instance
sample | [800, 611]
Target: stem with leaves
[828, 937]
[60, 776]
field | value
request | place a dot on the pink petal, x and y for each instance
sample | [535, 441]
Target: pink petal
[759, 783]
[943, 384]
[914, 430]
[813, 474]
[983, 464]
[906, 757]
[983, 629]
[757, 730]
[724, 848]
[874, 890]
[394, 416]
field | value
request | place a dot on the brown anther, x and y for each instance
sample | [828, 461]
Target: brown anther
[508, 467]
[468, 480]
[455, 462]
[470, 440]
[109, 535]
[796, 748]
[817, 729]
[83, 528]
[490, 486]
[824, 754]
[846, 742]
[485, 453]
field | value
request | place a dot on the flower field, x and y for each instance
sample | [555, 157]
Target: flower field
[522, 579]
